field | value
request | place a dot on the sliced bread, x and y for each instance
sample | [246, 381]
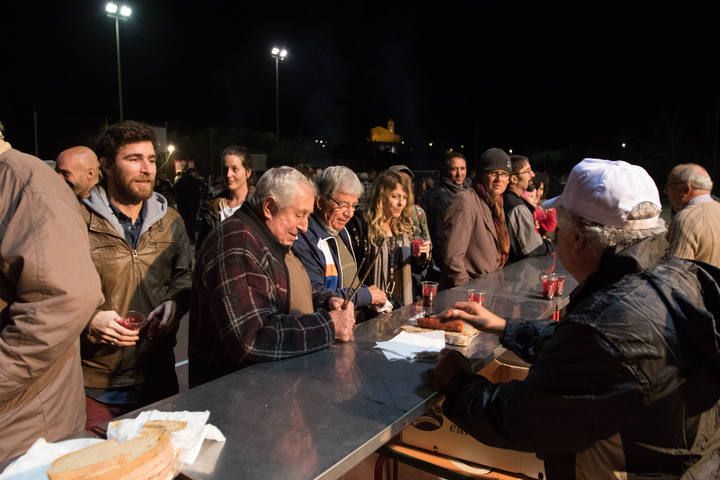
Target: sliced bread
[99, 457]
[115, 460]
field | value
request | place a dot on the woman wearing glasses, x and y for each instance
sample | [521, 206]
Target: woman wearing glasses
[325, 248]
[476, 235]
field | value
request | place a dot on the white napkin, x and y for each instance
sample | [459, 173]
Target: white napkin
[188, 441]
[387, 308]
[407, 346]
[36, 461]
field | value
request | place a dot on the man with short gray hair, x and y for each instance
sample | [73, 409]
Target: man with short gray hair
[626, 384]
[252, 300]
[325, 248]
[695, 227]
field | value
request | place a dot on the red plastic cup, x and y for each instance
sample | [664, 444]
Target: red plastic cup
[549, 284]
[429, 292]
[560, 287]
[476, 295]
[416, 244]
[132, 320]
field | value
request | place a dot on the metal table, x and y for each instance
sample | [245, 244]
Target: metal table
[318, 415]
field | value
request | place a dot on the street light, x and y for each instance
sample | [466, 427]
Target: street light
[121, 12]
[279, 55]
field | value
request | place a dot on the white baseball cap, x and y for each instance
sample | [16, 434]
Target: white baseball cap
[605, 191]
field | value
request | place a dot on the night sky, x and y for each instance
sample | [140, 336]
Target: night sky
[533, 76]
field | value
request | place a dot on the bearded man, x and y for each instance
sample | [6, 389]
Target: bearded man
[142, 253]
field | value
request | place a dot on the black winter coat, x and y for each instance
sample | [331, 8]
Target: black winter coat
[628, 381]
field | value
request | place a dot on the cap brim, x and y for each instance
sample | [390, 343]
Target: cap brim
[553, 202]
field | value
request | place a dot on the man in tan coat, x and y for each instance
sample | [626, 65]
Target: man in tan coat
[695, 227]
[48, 292]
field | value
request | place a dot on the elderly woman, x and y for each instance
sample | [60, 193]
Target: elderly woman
[476, 235]
[387, 237]
[238, 169]
[325, 248]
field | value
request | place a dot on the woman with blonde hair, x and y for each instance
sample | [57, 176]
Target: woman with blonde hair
[388, 236]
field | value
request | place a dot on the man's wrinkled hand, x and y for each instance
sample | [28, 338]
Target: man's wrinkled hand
[104, 328]
[379, 297]
[344, 321]
[476, 315]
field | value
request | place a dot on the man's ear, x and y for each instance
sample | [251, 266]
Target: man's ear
[579, 242]
[104, 166]
[269, 208]
[685, 190]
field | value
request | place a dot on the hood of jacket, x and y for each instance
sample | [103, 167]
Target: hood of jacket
[99, 203]
[691, 291]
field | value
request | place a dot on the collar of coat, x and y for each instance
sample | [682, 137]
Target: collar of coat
[99, 203]
[615, 264]
[262, 227]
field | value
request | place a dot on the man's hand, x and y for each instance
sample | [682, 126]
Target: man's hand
[450, 363]
[104, 328]
[162, 319]
[336, 303]
[344, 321]
[476, 315]
[379, 297]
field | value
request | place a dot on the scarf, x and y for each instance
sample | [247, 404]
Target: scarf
[498, 216]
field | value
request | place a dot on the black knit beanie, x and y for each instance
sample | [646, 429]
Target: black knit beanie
[494, 159]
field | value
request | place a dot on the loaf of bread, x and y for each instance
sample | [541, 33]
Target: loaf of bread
[436, 324]
[149, 455]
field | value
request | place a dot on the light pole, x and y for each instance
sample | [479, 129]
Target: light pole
[279, 55]
[118, 12]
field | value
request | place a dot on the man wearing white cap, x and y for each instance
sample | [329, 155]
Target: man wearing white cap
[627, 384]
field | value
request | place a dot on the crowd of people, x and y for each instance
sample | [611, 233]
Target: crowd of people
[290, 264]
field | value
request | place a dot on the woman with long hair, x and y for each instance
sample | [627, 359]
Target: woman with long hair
[388, 238]
[477, 239]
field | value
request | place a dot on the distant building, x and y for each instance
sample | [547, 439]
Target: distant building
[385, 139]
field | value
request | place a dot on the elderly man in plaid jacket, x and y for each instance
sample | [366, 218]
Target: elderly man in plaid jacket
[252, 299]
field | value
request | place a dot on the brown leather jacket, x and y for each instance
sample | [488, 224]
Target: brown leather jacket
[48, 292]
[159, 269]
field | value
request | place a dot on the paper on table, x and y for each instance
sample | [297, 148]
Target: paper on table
[407, 345]
[386, 308]
[36, 461]
[189, 440]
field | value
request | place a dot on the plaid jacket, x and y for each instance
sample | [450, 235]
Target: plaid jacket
[240, 302]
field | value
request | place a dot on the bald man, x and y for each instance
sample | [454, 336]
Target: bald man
[79, 167]
[695, 229]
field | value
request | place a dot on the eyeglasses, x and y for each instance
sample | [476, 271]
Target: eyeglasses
[345, 206]
[498, 174]
[528, 170]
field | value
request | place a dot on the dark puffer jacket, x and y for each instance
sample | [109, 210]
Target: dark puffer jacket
[628, 381]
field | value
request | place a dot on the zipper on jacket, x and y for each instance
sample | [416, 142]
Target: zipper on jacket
[135, 256]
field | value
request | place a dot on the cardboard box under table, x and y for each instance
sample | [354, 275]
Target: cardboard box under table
[436, 433]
